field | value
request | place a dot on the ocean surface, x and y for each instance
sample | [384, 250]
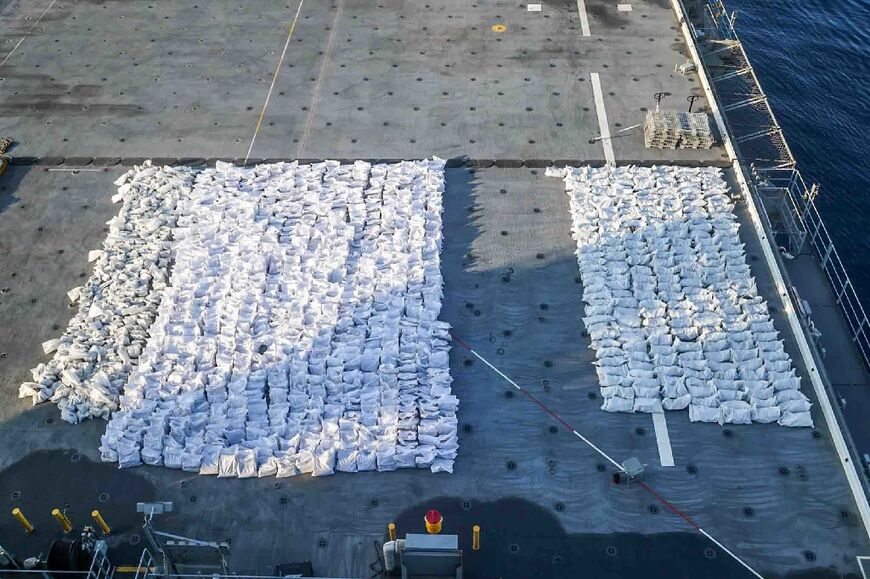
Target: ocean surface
[813, 60]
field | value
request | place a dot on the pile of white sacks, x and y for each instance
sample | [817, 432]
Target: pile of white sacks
[119, 303]
[299, 333]
[672, 309]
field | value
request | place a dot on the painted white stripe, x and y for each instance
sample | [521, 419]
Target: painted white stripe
[619, 466]
[517, 386]
[733, 556]
[623, 7]
[274, 80]
[663, 439]
[602, 119]
[584, 18]
[769, 256]
[861, 560]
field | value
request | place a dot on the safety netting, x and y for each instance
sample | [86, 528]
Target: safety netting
[671, 307]
[297, 330]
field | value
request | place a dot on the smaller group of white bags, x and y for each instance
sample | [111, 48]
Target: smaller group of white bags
[118, 303]
[672, 309]
[299, 330]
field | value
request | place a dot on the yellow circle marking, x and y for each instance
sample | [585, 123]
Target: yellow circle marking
[499, 28]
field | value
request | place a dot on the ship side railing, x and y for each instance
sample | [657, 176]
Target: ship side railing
[806, 227]
[787, 203]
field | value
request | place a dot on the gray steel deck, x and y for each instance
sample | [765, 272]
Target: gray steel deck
[146, 79]
[774, 495]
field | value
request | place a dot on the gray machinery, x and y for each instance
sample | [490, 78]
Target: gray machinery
[173, 554]
[424, 556]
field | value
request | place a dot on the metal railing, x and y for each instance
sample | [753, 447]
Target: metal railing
[101, 567]
[149, 569]
[145, 568]
[810, 223]
[744, 105]
[788, 204]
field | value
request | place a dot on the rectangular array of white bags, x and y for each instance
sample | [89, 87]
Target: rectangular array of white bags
[299, 333]
[672, 309]
[296, 333]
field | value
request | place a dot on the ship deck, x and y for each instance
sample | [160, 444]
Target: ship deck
[98, 85]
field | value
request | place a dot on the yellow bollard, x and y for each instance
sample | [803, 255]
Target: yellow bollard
[391, 531]
[16, 512]
[101, 522]
[62, 519]
[475, 538]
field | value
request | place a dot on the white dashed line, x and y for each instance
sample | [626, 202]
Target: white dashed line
[602, 119]
[623, 7]
[663, 439]
[584, 18]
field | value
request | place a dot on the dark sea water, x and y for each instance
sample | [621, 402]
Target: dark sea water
[813, 60]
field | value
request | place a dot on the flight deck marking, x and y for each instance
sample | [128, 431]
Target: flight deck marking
[539, 403]
[623, 7]
[316, 96]
[861, 559]
[26, 34]
[584, 18]
[673, 508]
[602, 119]
[663, 439]
[274, 79]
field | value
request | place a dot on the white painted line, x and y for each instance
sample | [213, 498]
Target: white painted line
[533, 7]
[733, 556]
[274, 79]
[602, 119]
[794, 322]
[623, 7]
[861, 559]
[517, 386]
[584, 18]
[663, 439]
[17, 44]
